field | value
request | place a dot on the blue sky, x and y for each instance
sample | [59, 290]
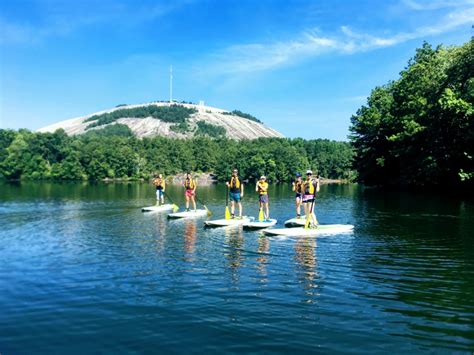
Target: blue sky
[303, 67]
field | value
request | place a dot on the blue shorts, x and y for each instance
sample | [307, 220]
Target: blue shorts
[263, 198]
[234, 196]
[160, 193]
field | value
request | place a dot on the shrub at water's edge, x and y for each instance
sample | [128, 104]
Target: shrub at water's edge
[98, 155]
[418, 130]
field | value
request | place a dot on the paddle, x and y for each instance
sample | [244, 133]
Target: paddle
[308, 217]
[227, 212]
[175, 207]
[209, 213]
[260, 212]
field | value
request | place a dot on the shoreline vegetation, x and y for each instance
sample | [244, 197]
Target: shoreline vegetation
[415, 132]
[418, 131]
[26, 155]
[206, 179]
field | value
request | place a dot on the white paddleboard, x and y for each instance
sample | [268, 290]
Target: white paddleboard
[161, 208]
[260, 224]
[189, 214]
[323, 229]
[295, 222]
[227, 222]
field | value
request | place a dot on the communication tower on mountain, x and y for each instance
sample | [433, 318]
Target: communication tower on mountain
[171, 84]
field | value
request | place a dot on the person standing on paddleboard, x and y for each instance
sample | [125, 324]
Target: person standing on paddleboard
[236, 192]
[310, 188]
[298, 189]
[262, 188]
[159, 183]
[190, 191]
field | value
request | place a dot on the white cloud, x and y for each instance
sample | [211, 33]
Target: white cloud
[424, 5]
[255, 57]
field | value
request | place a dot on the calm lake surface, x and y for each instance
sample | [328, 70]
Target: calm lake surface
[83, 270]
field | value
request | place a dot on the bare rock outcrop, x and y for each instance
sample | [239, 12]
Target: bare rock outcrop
[236, 127]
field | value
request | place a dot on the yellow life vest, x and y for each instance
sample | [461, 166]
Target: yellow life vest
[234, 182]
[189, 184]
[309, 187]
[262, 188]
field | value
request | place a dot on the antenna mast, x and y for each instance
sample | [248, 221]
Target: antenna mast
[171, 84]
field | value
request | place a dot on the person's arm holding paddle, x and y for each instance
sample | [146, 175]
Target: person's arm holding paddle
[240, 200]
[194, 194]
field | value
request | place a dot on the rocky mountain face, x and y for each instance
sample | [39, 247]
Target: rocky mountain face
[154, 120]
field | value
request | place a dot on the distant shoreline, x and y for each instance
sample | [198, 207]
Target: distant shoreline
[209, 179]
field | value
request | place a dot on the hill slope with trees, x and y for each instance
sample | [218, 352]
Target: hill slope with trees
[418, 130]
[173, 120]
[114, 153]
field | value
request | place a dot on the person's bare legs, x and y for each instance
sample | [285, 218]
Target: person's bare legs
[298, 206]
[232, 208]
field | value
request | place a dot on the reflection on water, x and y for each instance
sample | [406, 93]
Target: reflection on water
[306, 266]
[84, 270]
[234, 240]
[190, 227]
[263, 250]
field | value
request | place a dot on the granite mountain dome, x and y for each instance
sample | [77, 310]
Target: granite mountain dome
[175, 120]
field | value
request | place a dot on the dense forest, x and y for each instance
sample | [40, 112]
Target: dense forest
[418, 130]
[114, 152]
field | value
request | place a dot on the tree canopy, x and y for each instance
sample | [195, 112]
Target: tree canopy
[101, 154]
[418, 130]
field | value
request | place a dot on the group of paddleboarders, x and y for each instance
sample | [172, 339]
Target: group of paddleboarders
[236, 193]
[305, 191]
[189, 186]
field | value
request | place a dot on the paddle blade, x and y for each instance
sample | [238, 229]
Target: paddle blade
[209, 213]
[175, 208]
[227, 213]
[260, 215]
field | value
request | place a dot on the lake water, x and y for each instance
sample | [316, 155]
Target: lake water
[83, 270]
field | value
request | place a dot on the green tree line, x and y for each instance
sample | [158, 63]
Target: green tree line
[418, 130]
[113, 153]
[243, 115]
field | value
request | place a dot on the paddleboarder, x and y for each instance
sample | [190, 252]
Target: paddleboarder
[262, 188]
[236, 192]
[190, 190]
[310, 188]
[160, 186]
[298, 189]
